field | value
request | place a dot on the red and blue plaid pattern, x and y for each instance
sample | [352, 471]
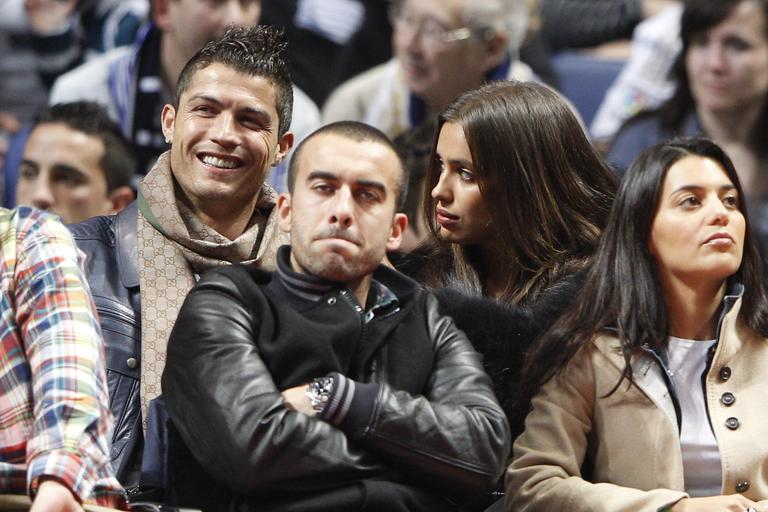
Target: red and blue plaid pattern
[54, 406]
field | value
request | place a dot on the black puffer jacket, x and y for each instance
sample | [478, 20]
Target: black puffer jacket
[422, 422]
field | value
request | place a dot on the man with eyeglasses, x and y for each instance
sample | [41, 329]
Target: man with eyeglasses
[442, 48]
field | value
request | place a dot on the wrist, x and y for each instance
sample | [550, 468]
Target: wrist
[319, 393]
[52, 488]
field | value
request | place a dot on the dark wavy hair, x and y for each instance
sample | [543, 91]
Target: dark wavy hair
[698, 17]
[622, 289]
[547, 189]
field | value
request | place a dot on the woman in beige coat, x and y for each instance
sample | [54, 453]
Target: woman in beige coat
[650, 393]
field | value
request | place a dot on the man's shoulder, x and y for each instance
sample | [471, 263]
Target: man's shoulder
[38, 238]
[90, 80]
[237, 279]
[99, 228]
[11, 219]
[370, 78]
[110, 244]
[350, 99]
[24, 221]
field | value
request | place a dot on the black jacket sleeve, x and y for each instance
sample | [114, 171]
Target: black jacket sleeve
[225, 405]
[455, 435]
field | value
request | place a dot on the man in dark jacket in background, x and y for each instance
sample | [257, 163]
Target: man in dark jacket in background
[333, 383]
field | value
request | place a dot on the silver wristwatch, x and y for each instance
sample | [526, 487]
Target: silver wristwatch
[319, 392]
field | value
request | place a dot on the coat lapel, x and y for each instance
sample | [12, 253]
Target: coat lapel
[647, 375]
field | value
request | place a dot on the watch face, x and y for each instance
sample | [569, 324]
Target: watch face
[318, 392]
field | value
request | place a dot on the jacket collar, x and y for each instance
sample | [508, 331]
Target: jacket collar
[313, 288]
[306, 286]
[732, 294]
[126, 225]
[649, 366]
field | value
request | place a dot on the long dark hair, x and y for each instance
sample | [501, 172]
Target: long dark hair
[698, 17]
[547, 190]
[622, 289]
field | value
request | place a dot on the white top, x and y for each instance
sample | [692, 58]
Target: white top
[687, 360]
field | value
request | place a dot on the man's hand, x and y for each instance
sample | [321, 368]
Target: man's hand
[730, 503]
[49, 16]
[296, 399]
[53, 496]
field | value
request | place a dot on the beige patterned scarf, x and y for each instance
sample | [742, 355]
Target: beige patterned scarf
[174, 245]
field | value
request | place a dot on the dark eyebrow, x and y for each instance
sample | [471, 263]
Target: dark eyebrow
[322, 175]
[259, 112]
[205, 97]
[69, 170]
[329, 176]
[460, 162]
[455, 161]
[376, 185]
[695, 188]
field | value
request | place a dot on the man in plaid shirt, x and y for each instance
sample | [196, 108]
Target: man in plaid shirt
[54, 410]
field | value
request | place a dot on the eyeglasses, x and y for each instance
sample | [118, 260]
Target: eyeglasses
[430, 29]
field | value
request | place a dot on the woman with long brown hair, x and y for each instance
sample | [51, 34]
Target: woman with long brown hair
[516, 195]
[515, 199]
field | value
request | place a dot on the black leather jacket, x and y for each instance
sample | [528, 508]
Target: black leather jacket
[427, 417]
[111, 266]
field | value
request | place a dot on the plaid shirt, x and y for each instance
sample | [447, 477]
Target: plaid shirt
[54, 407]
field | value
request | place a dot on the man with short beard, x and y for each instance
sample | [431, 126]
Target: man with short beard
[333, 383]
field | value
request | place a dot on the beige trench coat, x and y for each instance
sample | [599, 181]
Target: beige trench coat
[632, 435]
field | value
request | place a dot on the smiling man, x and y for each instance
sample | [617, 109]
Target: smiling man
[204, 204]
[135, 82]
[333, 383]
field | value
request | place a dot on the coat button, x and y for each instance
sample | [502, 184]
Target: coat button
[727, 399]
[725, 373]
[331, 301]
[732, 423]
[742, 486]
[131, 362]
